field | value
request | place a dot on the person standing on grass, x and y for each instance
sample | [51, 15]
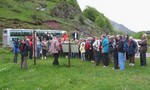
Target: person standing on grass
[143, 50]
[26, 49]
[21, 47]
[31, 49]
[105, 50]
[96, 50]
[39, 47]
[44, 48]
[131, 50]
[111, 48]
[121, 53]
[16, 50]
[55, 49]
[88, 48]
[82, 50]
[92, 51]
[115, 52]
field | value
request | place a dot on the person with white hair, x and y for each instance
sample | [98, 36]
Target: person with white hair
[96, 50]
[132, 45]
[143, 50]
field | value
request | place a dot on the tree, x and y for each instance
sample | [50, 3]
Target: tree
[90, 13]
[100, 21]
[98, 18]
[109, 26]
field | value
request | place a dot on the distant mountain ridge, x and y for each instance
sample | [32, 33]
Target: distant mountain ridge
[121, 27]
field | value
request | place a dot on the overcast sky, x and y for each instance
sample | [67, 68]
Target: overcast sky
[134, 14]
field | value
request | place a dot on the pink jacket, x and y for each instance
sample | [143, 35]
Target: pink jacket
[54, 44]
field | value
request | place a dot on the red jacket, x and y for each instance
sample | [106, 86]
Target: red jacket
[65, 36]
[87, 46]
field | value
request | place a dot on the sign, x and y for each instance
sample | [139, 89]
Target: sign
[74, 47]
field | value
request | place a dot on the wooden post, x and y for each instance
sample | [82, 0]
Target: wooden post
[69, 53]
[34, 47]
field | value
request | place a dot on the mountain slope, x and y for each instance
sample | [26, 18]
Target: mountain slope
[121, 28]
[45, 14]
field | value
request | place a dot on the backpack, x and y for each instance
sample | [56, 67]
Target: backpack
[125, 47]
[21, 47]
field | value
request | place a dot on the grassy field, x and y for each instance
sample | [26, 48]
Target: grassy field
[148, 50]
[80, 76]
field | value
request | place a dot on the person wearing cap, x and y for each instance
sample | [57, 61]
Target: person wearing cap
[143, 50]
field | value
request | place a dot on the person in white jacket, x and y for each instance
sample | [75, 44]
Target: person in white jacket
[96, 48]
[82, 50]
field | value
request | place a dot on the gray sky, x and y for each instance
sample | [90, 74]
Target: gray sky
[134, 14]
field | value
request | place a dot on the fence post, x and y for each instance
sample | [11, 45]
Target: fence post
[34, 47]
[69, 53]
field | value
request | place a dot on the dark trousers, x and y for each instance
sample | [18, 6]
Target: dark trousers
[44, 51]
[22, 60]
[92, 54]
[15, 57]
[97, 57]
[116, 60]
[56, 62]
[131, 57]
[88, 55]
[31, 53]
[105, 59]
[143, 58]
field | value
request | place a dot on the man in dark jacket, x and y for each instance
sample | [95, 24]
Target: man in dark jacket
[26, 49]
[121, 53]
[131, 50]
[143, 50]
[75, 35]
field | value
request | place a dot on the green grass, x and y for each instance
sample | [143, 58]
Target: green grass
[148, 51]
[80, 76]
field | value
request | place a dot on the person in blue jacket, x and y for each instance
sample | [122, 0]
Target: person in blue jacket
[105, 50]
[16, 50]
[132, 50]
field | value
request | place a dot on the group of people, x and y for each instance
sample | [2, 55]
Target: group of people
[115, 49]
[106, 48]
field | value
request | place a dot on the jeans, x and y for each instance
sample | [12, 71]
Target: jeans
[121, 60]
[83, 56]
[38, 52]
